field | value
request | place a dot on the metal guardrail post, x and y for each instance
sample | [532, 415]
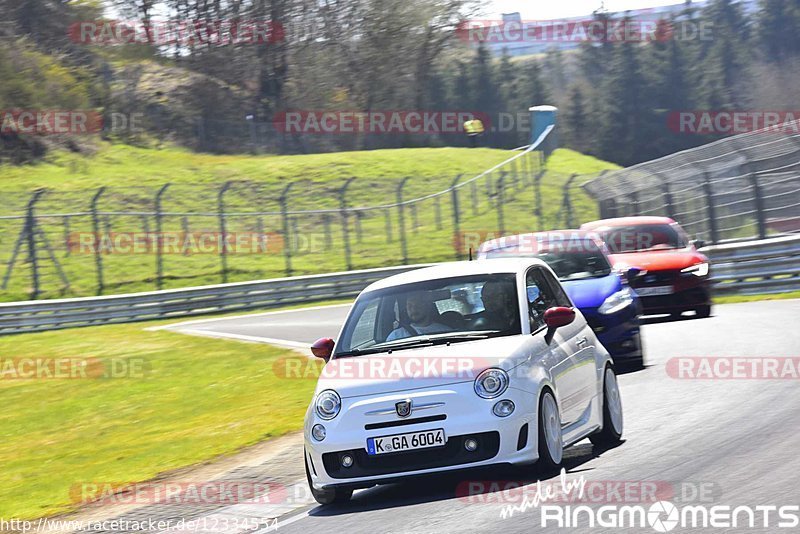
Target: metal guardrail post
[287, 239]
[501, 223]
[345, 228]
[712, 211]
[30, 236]
[758, 199]
[388, 221]
[160, 238]
[669, 202]
[223, 253]
[98, 257]
[537, 200]
[567, 201]
[457, 237]
[401, 222]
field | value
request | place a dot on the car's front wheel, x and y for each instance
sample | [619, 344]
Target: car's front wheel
[611, 433]
[551, 447]
[703, 311]
[328, 495]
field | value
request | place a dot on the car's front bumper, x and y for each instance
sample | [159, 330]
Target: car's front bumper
[618, 332]
[689, 292]
[462, 415]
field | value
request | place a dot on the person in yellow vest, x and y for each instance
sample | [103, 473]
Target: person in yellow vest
[473, 128]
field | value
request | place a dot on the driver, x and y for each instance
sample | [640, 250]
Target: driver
[499, 305]
[422, 312]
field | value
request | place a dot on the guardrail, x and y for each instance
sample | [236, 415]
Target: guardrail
[40, 315]
[766, 266]
[754, 267]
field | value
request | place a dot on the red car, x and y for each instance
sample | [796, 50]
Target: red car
[675, 275]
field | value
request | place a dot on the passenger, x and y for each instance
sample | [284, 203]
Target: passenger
[500, 312]
[422, 313]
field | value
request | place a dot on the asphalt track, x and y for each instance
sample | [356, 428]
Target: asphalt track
[724, 442]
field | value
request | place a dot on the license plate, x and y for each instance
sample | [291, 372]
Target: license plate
[406, 442]
[653, 291]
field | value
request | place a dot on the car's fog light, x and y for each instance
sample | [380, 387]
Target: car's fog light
[318, 432]
[471, 444]
[504, 408]
[347, 460]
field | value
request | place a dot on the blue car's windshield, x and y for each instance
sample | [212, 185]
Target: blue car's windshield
[570, 260]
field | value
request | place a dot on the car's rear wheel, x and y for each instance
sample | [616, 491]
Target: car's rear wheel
[611, 433]
[551, 448]
[328, 495]
[703, 311]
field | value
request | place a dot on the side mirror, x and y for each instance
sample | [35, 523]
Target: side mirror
[323, 348]
[633, 273]
[698, 243]
[558, 316]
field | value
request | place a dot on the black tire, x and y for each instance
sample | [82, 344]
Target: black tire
[329, 495]
[608, 436]
[703, 311]
[546, 464]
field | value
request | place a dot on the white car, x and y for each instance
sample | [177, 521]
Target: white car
[457, 366]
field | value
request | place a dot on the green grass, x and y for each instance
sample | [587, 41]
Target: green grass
[132, 176]
[198, 398]
[752, 298]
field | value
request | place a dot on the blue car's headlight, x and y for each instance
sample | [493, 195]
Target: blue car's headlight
[616, 302]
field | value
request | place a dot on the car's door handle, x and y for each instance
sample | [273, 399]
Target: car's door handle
[581, 341]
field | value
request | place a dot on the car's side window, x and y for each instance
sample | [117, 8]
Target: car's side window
[561, 298]
[540, 297]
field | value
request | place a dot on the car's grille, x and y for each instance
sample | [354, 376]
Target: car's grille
[692, 297]
[453, 453]
[404, 422]
[657, 278]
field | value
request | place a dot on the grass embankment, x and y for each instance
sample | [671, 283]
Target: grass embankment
[181, 400]
[133, 175]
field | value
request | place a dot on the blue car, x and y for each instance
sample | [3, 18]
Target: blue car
[603, 295]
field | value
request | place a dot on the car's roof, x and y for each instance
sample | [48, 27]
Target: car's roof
[457, 268]
[626, 221]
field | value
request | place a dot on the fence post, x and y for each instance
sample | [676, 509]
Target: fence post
[668, 200]
[223, 232]
[401, 221]
[437, 211]
[287, 241]
[388, 216]
[567, 201]
[758, 198]
[457, 238]
[98, 258]
[501, 223]
[474, 193]
[635, 202]
[30, 235]
[159, 238]
[712, 209]
[537, 200]
[345, 229]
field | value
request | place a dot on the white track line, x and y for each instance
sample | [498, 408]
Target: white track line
[250, 339]
[262, 314]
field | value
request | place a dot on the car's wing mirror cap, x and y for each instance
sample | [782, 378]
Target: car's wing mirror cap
[558, 316]
[323, 348]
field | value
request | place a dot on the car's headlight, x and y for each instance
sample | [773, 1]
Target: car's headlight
[698, 269]
[491, 383]
[328, 404]
[616, 302]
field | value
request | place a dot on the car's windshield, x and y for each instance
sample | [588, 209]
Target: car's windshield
[570, 260]
[642, 237]
[436, 311]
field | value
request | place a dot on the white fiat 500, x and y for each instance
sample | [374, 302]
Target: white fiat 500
[456, 366]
